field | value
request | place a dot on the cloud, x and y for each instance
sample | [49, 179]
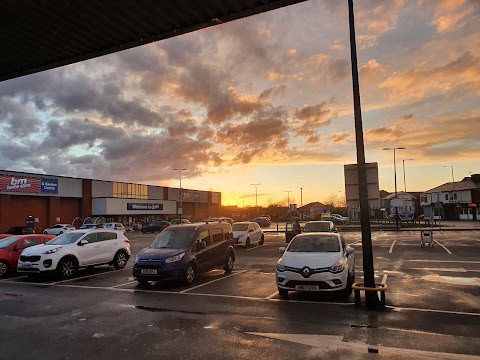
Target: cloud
[311, 118]
[449, 14]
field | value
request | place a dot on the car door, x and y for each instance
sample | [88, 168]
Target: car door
[219, 247]
[256, 233]
[204, 256]
[88, 253]
[350, 258]
[107, 246]
[290, 232]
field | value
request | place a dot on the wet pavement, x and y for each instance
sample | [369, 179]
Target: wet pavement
[433, 309]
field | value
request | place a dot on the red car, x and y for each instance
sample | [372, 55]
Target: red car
[13, 245]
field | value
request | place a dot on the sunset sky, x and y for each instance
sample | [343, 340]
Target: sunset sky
[266, 99]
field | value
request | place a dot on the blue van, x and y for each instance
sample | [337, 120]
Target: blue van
[183, 251]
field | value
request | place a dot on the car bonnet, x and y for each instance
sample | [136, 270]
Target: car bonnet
[313, 260]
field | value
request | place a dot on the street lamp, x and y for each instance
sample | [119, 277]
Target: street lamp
[256, 195]
[180, 209]
[453, 186]
[404, 182]
[288, 200]
[395, 174]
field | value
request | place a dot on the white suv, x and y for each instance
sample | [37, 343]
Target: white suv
[76, 249]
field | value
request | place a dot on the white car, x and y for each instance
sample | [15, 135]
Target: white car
[75, 249]
[247, 232]
[116, 226]
[58, 229]
[316, 262]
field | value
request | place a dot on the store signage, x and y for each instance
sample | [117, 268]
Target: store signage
[49, 186]
[190, 195]
[19, 184]
[144, 206]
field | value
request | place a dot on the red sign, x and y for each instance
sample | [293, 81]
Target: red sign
[472, 205]
[19, 184]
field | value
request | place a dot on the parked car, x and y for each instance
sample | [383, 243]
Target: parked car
[310, 226]
[262, 221]
[247, 232]
[227, 219]
[178, 221]
[155, 226]
[75, 249]
[115, 226]
[11, 248]
[315, 262]
[20, 230]
[181, 252]
[92, 226]
[58, 229]
[337, 219]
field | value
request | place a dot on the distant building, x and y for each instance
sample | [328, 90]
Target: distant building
[410, 204]
[312, 210]
[453, 201]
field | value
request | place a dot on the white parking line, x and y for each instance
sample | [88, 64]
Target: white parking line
[13, 278]
[270, 243]
[391, 247]
[127, 283]
[271, 295]
[447, 261]
[411, 232]
[444, 247]
[476, 232]
[88, 276]
[212, 281]
[384, 279]
[443, 232]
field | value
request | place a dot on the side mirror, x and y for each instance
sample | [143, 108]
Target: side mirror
[201, 245]
[350, 250]
[281, 249]
[82, 242]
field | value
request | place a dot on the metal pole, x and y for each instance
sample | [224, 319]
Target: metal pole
[396, 195]
[404, 181]
[256, 196]
[180, 194]
[371, 297]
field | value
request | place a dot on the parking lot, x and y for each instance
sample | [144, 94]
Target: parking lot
[427, 286]
[442, 277]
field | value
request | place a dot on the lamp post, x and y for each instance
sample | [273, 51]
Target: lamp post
[256, 195]
[301, 201]
[395, 174]
[404, 182]
[288, 200]
[180, 209]
[453, 187]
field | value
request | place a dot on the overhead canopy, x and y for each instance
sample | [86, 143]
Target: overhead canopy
[37, 35]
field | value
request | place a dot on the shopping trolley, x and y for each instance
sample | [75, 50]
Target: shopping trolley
[426, 237]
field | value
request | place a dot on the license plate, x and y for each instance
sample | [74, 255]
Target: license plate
[307, 287]
[25, 266]
[149, 271]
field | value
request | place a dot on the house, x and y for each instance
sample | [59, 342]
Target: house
[458, 200]
[410, 204]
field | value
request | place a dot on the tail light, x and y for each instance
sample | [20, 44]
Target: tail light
[165, 225]
[127, 241]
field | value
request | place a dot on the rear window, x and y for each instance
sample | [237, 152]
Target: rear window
[240, 227]
[316, 227]
[314, 244]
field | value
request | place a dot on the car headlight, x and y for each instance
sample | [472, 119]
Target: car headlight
[338, 267]
[52, 251]
[175, 258]
[280, 267]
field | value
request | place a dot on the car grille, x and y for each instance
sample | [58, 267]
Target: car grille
[307, 274]
[320, 284]
[24, 258]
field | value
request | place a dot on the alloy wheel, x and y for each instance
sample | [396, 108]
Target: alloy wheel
[68, 268]
[3, 268]
[190, 274]
[121, 260]
[230, 262]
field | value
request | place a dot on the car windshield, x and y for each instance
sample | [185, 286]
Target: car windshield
[170, 239]
[65, 238]
[4, 243]
[240, 227]
[316, 227]
[314, 244]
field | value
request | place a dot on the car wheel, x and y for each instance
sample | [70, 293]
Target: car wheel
[262, 240]
[283, 293]
[3, 268]
[189, 274]
[348, 290]
[61, 232]
[229, 263]
[120, 259]
[45, 233]
[247, 243]
[67, 268]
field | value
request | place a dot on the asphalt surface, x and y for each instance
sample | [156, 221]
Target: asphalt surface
[433, 309]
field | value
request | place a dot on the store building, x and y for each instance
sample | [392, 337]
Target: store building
[57, 199]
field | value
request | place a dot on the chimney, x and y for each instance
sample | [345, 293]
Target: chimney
[476, 178]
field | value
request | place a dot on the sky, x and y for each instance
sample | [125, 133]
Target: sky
[263, 100]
